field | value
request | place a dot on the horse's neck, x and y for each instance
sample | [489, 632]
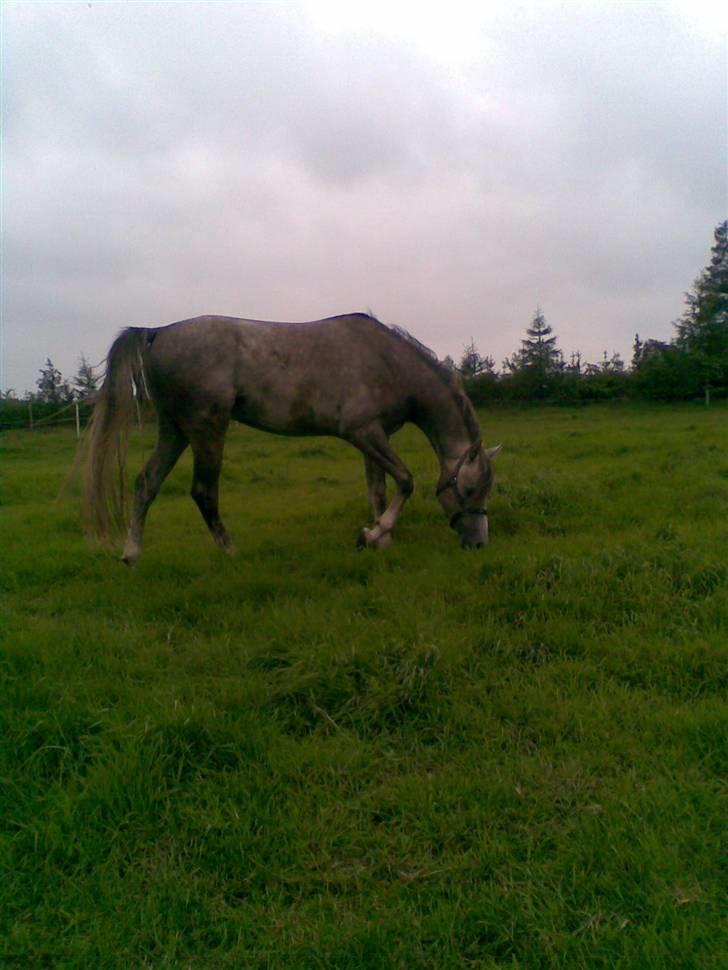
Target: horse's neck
[442, 417]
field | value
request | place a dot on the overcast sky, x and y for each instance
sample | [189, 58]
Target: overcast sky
[448, 167]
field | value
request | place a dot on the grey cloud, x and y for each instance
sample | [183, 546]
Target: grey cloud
[168, 159]
[143, 79]
[607, 85]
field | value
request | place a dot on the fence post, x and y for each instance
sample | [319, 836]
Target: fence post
[78, 422]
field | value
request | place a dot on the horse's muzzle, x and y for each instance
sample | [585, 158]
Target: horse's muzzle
[472, 527]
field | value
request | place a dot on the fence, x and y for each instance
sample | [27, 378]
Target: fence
[29, 415]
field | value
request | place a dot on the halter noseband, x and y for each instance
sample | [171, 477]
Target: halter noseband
[452, 482]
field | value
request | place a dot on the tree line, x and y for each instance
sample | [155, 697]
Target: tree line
[54, 392]
[54, 389]
[693, 364]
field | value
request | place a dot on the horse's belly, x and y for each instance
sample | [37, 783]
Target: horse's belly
[291, 416]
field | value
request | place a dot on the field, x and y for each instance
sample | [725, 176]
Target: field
[315, 757]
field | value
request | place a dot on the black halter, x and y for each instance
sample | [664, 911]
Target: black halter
[452, 482]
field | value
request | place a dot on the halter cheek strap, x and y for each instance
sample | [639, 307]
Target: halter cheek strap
[452, 482]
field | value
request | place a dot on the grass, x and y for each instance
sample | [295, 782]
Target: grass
[314, 757]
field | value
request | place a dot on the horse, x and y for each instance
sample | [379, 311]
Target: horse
[347, 376]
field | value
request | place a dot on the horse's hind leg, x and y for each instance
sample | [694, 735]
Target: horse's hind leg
[377, 486]
[206, 475]
[170, 445]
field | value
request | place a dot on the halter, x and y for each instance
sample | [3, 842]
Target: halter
[452, 483]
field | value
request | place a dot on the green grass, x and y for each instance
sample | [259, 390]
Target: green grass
[311, 756]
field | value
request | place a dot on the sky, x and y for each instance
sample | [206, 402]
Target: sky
[449, 167]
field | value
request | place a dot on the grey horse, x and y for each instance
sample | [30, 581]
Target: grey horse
[349, 376]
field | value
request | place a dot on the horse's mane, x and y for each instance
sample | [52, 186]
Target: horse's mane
[449, 376]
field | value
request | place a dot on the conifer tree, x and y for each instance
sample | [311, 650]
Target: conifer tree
[538, 350]
[85, 380]
[637, 349]
[472, 364]
[539, 356]
[702, 330]
[51, 386]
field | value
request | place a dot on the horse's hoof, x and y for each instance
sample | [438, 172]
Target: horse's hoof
[365, 540]
[368, 540]
[131, 554]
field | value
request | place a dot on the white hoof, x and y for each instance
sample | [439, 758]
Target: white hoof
[373, 539]
[365, 539]
[132, 552]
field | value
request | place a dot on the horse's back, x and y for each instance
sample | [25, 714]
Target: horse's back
[317, 377]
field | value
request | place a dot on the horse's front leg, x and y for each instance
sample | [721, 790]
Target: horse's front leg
[377, 487]
[375, 446]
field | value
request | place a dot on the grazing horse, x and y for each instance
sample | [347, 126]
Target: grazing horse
[348, 376]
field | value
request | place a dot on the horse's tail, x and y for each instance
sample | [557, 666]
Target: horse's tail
[125, 383]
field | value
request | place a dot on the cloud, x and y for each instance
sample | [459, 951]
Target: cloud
[283, 161]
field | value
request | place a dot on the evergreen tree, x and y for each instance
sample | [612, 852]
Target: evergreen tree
[85, 381]
[513, 364]
[539, 356]
[666, 373]
[472, 364]
[51, 386]
[702, 330]
[637, 348]
[538, 350]
[613, 364]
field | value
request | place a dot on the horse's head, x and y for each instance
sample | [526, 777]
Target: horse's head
[463, 489]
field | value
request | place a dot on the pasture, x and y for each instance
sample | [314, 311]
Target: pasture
[312, 756]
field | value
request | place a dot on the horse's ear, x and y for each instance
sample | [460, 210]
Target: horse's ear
[474, 449]
[492, 452]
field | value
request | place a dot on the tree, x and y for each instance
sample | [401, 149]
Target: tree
[539, 359]
[85, 381]
[613, 364]
[472, 364]
[702, 330]
[478, 374]
[488, 363]
[538, 350]
[513, 364]
[666, 373]
[637, 348]
[51, 386]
